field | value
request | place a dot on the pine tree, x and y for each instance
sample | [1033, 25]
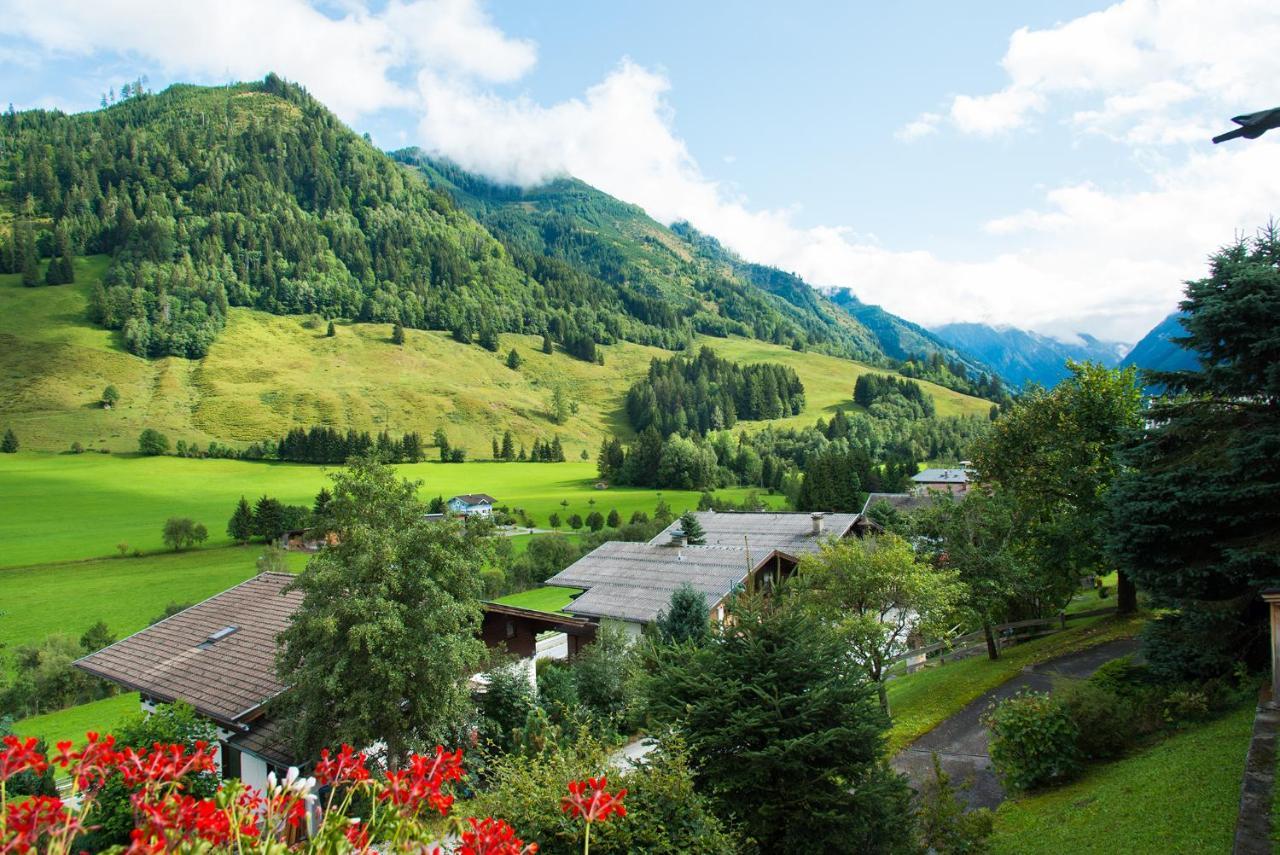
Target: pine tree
[686, 618]
[508, 447]
[240, 527]
[62, 270]
[497, 449]
[331, 331]
[397, 334]
[692, 529]
[513, 360]
[614, 519]
[9, 444]
[546, 344]
[29, 263]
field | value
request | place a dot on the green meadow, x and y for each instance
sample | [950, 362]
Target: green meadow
[59, 507]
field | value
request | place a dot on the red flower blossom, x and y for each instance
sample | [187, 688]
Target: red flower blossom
[491, 836]
[347, 766]
[28, 822]
[422, 781]
[591, 800]
[164, 763]
[20, 755]
[91, 765]
[357, 834]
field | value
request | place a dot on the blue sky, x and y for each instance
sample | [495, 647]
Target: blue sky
[1043, 165]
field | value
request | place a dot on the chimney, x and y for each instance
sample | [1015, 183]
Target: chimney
[679, 538]
[816, 516]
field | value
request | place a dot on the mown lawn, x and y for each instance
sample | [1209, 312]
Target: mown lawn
[546, 599]
[73, 723]
[921, 701]
[125, 592]
[1180, 796]
[58, 507]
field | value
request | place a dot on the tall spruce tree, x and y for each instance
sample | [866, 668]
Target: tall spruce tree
[686, 617]
[1195, 516]
[9, 445]
[240, 526]
[692, 529]
[803, 771]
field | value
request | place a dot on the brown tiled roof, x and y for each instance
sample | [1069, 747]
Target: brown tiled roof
[475, 498]
[225, 680]
[267, 739]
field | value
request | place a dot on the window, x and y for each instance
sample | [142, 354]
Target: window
[230, 762]
[215, 637]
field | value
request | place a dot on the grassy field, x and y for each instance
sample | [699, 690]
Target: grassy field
[266, 373]
[62, 507]
[125, 592]
[546, 599]
[73, 723]
[921, 701]
[1180, 796]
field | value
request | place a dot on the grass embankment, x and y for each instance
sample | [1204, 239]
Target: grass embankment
[58, 507]
[549, 598]
[266, 373]
[923, 700]
[125, 592]
[74, 722]
[1180, 796]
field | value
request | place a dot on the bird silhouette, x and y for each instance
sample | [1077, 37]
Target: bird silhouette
[1252, 125]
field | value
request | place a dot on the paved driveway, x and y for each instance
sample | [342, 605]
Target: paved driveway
[961, 741]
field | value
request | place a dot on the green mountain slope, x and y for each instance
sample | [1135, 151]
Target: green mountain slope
[569, 229]
[266, 373]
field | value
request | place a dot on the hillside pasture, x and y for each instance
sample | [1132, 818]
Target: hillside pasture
[267, 373]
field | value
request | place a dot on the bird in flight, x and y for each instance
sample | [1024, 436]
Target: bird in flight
[1252, 125]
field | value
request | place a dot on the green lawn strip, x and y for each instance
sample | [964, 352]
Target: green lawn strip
[1180, 796]
[61, 507]
[1087, 601]
[74, 722]
[127, 593]
[923, 700]
[546, 599]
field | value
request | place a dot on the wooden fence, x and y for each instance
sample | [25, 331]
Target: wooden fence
[1005, 635]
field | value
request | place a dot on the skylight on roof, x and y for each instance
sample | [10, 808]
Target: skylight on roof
[215, 637]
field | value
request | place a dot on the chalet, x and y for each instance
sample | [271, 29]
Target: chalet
[219, 656]
[472, 504]
[629, 584]
[942, 481]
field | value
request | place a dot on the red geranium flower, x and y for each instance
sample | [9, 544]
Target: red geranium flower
[422, 782]
[491, 836]
[591, 800]
[347, 766]
[20, 755]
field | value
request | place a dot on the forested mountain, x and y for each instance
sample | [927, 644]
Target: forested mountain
[256, 195]
[1157, 352]
[1020, 356]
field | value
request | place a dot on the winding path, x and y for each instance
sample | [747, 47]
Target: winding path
[961, 741]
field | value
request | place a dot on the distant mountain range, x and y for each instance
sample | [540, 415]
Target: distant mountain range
[1022, 357]
[1156, 351]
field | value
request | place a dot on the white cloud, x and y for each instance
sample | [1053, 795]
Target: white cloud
[918, 128]
[1088, 257]
[1152, 72]
[348, 62]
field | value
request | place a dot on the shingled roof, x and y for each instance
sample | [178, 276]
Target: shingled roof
[942, 476]
[635, 581]
[475, 499]
[789, 533]
[218, 655]
[904, 502]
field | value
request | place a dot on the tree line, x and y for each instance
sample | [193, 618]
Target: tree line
[698, 394]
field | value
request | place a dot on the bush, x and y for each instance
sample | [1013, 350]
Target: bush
[1187, 704]
[77, 448]
[945, 826]
[152, 442]
[183, 533]
[1033, 741]
[1105, 720]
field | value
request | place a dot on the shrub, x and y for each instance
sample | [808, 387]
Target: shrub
[1187, 704]
[494, 580]
[153, 443]
[77, 448]
[182, 533]
[945, 826]
[1033, 741]
[1122, 677]
[1105, 721]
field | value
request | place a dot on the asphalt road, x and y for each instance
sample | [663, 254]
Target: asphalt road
[961, 742]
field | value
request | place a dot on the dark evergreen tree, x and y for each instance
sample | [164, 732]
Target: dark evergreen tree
[513, 360]
[397, 334]
[1196, 507]
[546, 344]
[241, 526]
[9, 445]
[614, 519]
[757, 764]
[692, 529]
[595, 521]
[331, 331]
[686, 618]
[321, 505]
[508, 450]
[268, 518]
